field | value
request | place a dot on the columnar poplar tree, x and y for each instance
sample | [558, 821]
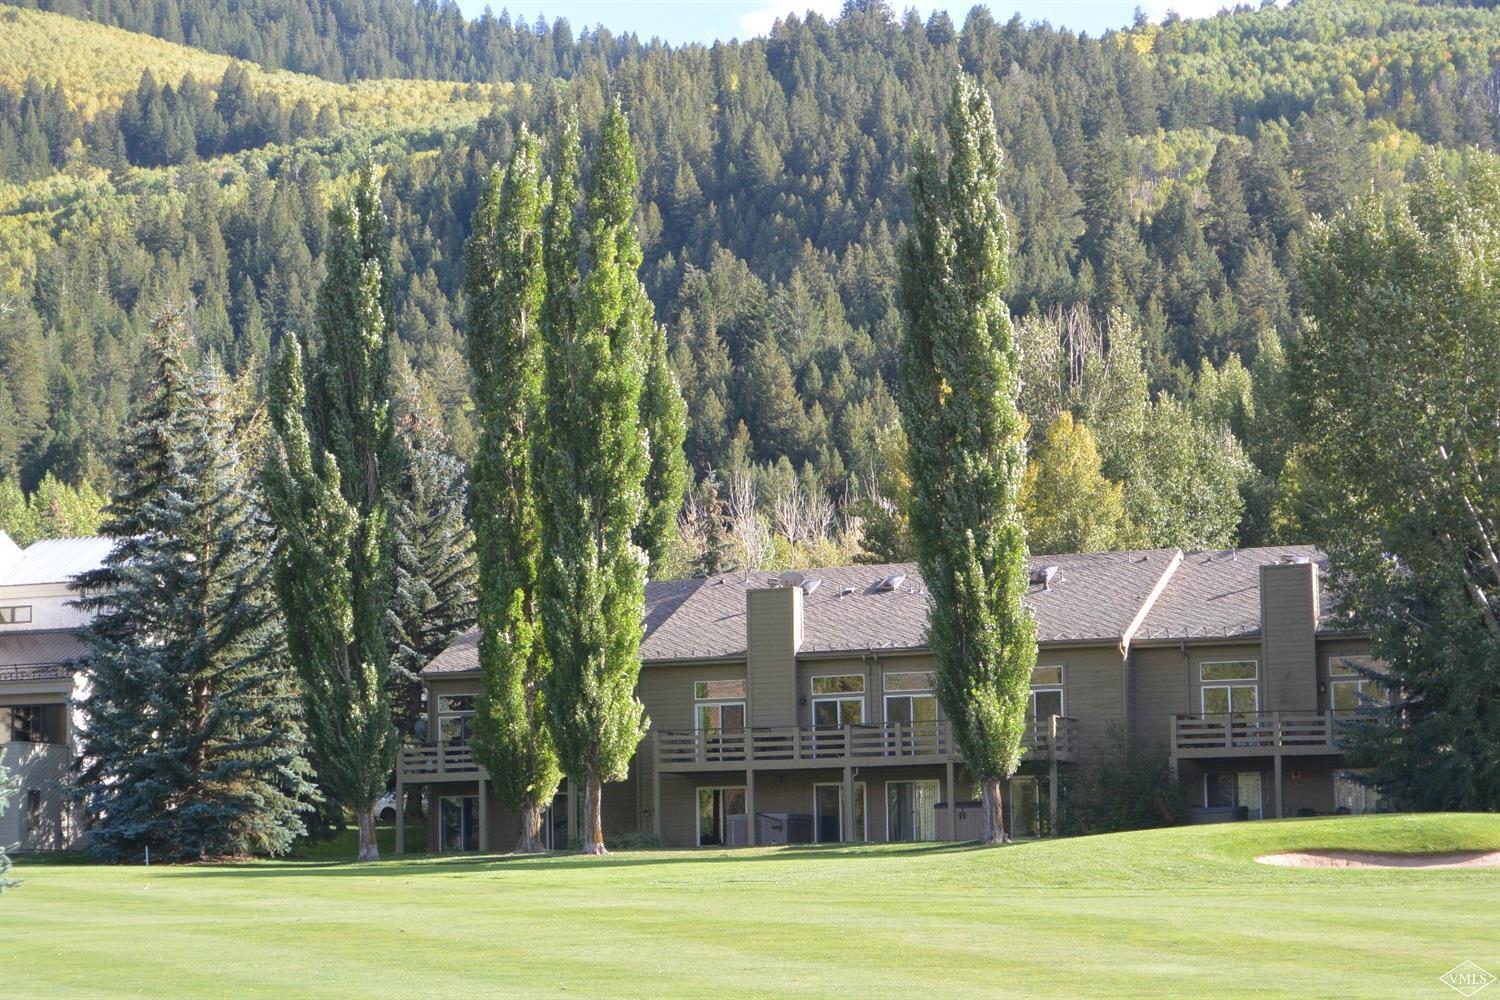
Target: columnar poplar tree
[664, 416]
[966, 448]
[334, 563]
[8, 786]
[505, 288]
[193, 742]
[593, 470]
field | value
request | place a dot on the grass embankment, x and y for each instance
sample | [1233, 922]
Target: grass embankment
[1181, 912]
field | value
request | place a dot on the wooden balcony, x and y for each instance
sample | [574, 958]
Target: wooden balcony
[424, 762]
[1253, 734]
[891, 743]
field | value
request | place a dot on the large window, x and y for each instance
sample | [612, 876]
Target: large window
[15, 614]
[910, 703]
[1349, 689]
[1228, 687]
[838, 700]
[1241, 788]
[910, 810]
[721, 817]
[458, 823]
[1351, 795]
[1047, 697]
[33, 723]
[828, 814]
[1026, 819]
[455, 718]
[719, 706]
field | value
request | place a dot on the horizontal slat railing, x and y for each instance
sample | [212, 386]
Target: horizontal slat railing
[435, 761]
[879, 742]
[1255, 731]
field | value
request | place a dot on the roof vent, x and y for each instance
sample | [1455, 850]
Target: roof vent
[1044, 575]
[890, 582]
[810, 584]
[846, 592]
[791, 578]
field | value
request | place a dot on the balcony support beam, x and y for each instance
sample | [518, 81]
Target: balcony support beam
[848, 832]
[484, 815]
[1276, 784]
[400, 815]
[952, 804]
[750, 806]
[656, 786]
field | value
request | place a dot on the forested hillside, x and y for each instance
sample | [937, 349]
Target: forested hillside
[1158, 184]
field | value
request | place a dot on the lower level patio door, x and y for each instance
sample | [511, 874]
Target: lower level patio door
[828, 814]
[721, 817]
[458, 823]
[1241, 788]
[910, 810]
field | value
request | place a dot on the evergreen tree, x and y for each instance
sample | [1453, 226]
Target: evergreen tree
[505, 289]
[593, 470]
[192, 745]
[966, 447]
[664, 417]
[433, 596]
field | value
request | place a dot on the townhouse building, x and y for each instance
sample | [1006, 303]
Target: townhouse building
[39, 651]
[800, 707]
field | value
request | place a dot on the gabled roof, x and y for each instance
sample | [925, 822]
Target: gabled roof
[1091, 598]
[1217, 594]
[55, 560]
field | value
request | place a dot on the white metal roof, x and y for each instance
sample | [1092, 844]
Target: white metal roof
[54, 560]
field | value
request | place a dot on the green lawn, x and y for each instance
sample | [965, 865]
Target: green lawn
[1181, 912]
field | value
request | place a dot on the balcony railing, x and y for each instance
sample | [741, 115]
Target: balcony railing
[880, 743]
[439, 762]
[1259, 732]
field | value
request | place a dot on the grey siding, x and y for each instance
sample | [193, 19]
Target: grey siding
[1289, 621]
[773, 633]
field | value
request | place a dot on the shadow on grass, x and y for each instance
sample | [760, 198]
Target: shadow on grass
[557, 860]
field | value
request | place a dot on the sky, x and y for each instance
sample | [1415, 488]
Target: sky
[680, 21]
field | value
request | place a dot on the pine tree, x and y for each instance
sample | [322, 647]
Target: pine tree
[192, 745]
[664, 416]
[505, 288]
[433, 595]
[593, 471]
[966, 447]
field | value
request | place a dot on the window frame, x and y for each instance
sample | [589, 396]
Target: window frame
[462, 717]
[1365, 688]
[1206, 684]
[1060, 686]
[724, 816]
[10, 614]
[916, 819]
[861, 810]
[837, 697]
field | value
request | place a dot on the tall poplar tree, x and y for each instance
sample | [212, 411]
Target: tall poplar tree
[966, 447]
[328, 476]
[505, 288]
[664, 416]
[193, 742]
[593, 469]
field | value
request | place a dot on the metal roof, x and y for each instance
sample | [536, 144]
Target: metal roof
[55, 560]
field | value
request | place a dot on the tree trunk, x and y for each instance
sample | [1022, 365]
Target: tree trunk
[530, 841]
[593, 820]
[994, 814]
[369, 850]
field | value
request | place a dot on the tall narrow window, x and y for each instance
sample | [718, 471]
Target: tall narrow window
[912, 710]
[455, 718]
[838, 700]
[1229, 688]
[910, 810]
[719, 718]
[1047, 693]
[721, 817]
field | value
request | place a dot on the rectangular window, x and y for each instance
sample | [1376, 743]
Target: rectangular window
[910, 810]
[909, 681]
[839, 684]
[1349, 690]
[911, 713]
[1350, 795]
[731, 690]
[1229, 688]
[1026, 819]
[33, 723]
[828, 814]
[1234, 789]
[455, 718]
[721, 817]
[17, 614]
[458, 823]
[1047, 697]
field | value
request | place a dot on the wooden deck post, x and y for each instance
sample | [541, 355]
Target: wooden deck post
[400, 814]
[1277, 783]
[750, 806]
[952, 804]
[1052, 777]
[484, 815]
[655, 787]
[847, 833]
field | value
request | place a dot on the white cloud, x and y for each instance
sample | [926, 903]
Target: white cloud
[763, 18]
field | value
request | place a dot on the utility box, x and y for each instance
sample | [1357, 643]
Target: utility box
[783, 828]
[963, 821]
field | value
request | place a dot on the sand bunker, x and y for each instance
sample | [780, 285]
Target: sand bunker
[1380, 859]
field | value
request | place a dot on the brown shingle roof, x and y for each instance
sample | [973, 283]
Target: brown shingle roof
[1217, 594]
[1092, 598]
